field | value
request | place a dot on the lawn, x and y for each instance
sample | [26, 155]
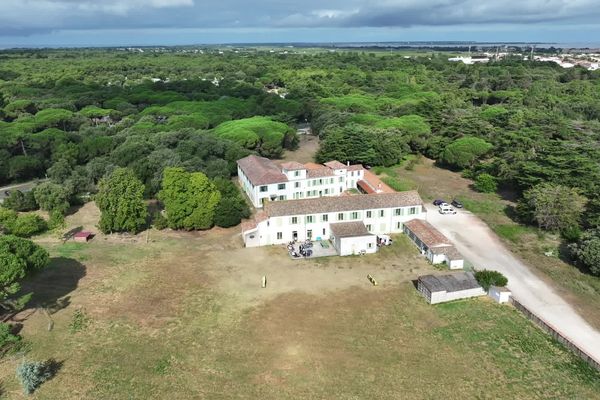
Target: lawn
[173, 318]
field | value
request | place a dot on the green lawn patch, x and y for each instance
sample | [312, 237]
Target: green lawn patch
[399, 185]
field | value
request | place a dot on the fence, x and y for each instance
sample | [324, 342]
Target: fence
[556, 334]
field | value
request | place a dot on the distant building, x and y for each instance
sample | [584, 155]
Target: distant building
[433, 244]
[499, 294]
[443, 288]
[262, 180]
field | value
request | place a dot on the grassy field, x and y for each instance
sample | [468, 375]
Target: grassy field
[182, 315]
[530, 244]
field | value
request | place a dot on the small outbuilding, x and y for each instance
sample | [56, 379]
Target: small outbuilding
[433, 244]
[443, 288]
[83, 236]
[500, 294]
[351, 238]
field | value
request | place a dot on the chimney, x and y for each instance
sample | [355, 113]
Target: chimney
[348, 163]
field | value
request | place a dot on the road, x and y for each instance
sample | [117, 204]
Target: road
[23, 187]
[478, 244]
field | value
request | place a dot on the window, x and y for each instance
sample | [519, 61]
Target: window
[341, 179]
[381, 213]
[297, 184]
[310, 219]
[370, 245]
[331, 181]
[368, 214]
[264, 188]
[296, 173]
[412, 210]
[326, 191]
[279, 235]
[340, 216]
[398, 225]
[324, 217]
[294, 220]
[324, 231]
[281, 197]
[369, 228]
[354, 215]
[309, 234]
[399, 211]
[281, 186]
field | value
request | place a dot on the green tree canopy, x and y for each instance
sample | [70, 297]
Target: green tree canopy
[190, 199]
[120, 199]
[463, 152]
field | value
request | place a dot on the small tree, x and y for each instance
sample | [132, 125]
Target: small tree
[587, 251]
[465, 151]
[487, 278]
[52, 197]
[485, 183]
[32, 374]
[120, 199]
[20, 201]
[28, 225]
[552, 207]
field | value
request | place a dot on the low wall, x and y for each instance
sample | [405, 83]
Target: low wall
[555, 333]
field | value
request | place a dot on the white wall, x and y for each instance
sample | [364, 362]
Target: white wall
[441, 297]
[354, 245]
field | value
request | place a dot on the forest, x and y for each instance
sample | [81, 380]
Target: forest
[82, 118]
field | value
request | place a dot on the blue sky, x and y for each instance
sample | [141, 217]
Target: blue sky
[170, 22]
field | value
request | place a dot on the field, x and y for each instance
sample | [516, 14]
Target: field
[530, 244]
[182, 315]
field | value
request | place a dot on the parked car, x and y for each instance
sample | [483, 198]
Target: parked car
[457, 203]
[447, 209]
[438, 202]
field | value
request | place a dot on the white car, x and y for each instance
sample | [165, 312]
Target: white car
[447, 209]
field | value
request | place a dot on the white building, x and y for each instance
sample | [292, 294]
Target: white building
[283, 221]
[350, 238]
[433, 244]
[262, 180]
[442, 288]
[500, 294]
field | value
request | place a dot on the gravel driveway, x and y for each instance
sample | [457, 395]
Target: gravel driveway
[476, 241]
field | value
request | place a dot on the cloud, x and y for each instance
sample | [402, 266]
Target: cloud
[22, 17]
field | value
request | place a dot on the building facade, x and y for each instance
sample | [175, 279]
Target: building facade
[262, 180]
[283, 221]
[436, 247]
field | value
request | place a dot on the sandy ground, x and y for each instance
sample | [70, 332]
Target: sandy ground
[483, 248]
[307, 148]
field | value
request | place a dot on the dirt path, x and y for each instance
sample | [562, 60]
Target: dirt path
[483, 248]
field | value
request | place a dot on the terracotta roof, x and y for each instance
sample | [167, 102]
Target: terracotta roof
[335, 164]
[449, 283]
[427, 233]
[83, 234]
[292, 165]
[312, 165]
[342, 203]
[355, 167]
[349, 229]
[449, 251]
[251, 224]
[376, 183]
[364, 185]
[320, 173]
[261, 171]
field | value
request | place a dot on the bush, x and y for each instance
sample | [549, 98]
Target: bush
[485, 183]
[159, 221]
[32, 374]
[587, 251]
[28, 225]
[7, 339]
[79, 322]
[20, 201]
[487, 278]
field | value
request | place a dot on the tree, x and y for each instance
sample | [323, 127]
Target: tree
[120, 199]
[232, 207]
[32, 374]
[487, 278]
[552, 207]
[28, 225]
[485, 183]
[463, 152]
[20, 201]
[587, 251]
[18, 259]
[190, 199]
[52, 197]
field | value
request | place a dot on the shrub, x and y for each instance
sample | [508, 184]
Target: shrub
[29, 225]
[20, 201]
[487, 278]
[79, 322]
[485, 183]
[587, 251]
[159, 221]
[7, 339]
[32, 374]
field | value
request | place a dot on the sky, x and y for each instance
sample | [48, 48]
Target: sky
[35, 23]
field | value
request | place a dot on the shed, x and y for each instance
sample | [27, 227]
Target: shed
[500, 294]
[352, 238]
[83, 236]
[443, 288]
[433, 244]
